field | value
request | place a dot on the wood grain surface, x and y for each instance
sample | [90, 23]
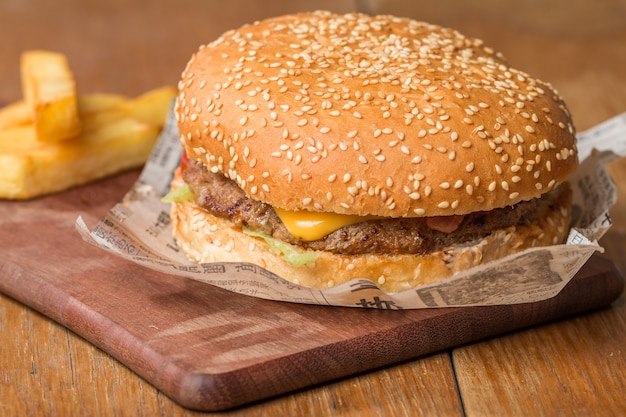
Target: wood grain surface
[567, 367]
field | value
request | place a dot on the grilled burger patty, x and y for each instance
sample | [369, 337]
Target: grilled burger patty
[223, 198]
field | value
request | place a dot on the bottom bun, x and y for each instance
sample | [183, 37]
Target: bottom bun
[206, 238]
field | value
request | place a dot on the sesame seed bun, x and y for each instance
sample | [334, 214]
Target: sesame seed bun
[367, 115]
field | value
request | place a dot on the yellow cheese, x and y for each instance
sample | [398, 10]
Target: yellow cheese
[309, 225]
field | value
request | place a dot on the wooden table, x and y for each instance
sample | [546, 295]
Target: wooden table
[571, 367]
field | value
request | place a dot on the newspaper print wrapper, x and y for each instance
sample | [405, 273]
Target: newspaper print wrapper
[138, 229]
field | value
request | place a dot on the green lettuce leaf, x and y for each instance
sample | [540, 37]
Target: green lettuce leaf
[179, 195]
[289, 253]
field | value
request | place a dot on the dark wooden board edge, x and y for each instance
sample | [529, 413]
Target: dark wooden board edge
[407, 341]
[599, 281]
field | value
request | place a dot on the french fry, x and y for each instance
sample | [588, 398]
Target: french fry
[31, 168]
[53, 139]
[114, 138]
[15, 114]
[98, 102]
[20, 113]
[49, 89]
[147, 107]
[19, 140]
[97, 109]
[94, 120]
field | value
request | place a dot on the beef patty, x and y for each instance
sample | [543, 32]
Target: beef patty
[223, 198]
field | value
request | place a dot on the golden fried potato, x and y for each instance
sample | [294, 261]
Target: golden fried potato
[15, 114]
[148, 106]
[49, 89]
[112, 139]
[31, 168]
[54, 139]
[98, 102]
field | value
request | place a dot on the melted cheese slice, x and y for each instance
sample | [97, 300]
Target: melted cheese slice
[309, 225]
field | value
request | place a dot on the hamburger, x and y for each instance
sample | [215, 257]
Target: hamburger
[327, 148]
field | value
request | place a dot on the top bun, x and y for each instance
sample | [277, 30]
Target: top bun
[372, 115]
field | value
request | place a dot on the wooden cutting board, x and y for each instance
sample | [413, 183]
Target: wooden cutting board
[210, 349]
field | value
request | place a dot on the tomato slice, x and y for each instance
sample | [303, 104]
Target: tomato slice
[184, 161]
[445, 224]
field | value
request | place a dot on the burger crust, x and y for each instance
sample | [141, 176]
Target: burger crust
[371, 115]
[206, 238]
